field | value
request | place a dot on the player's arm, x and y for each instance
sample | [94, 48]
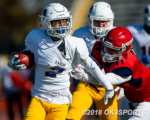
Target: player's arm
[93, 69]
[82, 55]
[113, 78]
[14, 63]
[78, 73]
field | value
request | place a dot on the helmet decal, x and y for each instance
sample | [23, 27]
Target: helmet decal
[44, 12]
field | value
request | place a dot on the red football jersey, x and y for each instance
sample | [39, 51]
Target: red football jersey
[138, 88]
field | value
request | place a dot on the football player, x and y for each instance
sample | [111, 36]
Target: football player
[100, 18]
[55, 55]
[122, 68]
[141, 35]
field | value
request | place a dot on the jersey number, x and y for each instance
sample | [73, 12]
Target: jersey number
[54, 71]
[146, 50]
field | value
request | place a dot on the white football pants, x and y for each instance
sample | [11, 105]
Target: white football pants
[134, 111]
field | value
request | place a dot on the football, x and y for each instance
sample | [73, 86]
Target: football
[27, 58]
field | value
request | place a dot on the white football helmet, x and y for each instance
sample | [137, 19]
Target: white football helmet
[56, 11]
[100, 11]
[146, 15]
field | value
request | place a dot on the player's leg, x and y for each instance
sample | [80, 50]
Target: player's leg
[141, 111]
[35, 110]
[109, 111]
[81, 101]
[125, 109]
[57, 112]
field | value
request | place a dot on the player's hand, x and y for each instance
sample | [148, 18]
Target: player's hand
[146, 59]
[108, 95]
[121, 94]
[116, 89]
[78, 73]
[14, 64]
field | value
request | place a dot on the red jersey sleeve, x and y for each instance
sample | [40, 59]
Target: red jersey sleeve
[96, 52]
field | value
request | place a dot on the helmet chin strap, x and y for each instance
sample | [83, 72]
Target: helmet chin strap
[62, 48]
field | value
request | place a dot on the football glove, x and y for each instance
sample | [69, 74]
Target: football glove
[108, 95]
[116, 89]
[14, 64]
[121, 94]
[78, 73]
